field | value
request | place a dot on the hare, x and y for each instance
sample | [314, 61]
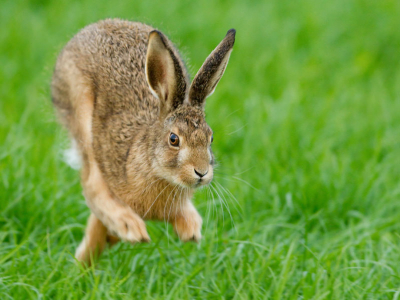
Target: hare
[123, 92]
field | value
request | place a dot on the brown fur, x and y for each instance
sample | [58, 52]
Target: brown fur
[122, 120]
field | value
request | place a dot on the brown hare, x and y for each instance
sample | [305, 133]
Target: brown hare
[124, 94]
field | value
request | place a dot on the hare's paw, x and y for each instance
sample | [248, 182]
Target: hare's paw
[188, 226]
[129, 227]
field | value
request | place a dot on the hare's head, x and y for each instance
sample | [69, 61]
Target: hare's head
[183, 152]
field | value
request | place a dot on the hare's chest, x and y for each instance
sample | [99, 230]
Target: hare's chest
[157, 202]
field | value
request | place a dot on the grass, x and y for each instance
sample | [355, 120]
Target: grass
[307, 127]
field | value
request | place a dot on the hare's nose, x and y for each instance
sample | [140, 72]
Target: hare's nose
[200, 174]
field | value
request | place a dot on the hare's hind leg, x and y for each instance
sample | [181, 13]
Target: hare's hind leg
[112, 239]
[93, 242]
[118, 217]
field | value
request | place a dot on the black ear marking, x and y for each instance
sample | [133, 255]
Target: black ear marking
[212, 70]
[165, 72]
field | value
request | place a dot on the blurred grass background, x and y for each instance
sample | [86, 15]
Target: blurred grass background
[307, 127]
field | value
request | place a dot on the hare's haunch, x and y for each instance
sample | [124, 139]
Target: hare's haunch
[124, 94]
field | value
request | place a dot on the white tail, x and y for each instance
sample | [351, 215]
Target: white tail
[72, 156]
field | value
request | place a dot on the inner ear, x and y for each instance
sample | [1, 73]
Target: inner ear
[159, 67]
[165, 72]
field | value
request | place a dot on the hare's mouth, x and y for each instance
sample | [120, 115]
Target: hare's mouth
[198, 184]
[194, 184]
[201, 182]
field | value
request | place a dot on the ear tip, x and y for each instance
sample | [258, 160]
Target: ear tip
[231, 36]
[157, 34]
[231, 31]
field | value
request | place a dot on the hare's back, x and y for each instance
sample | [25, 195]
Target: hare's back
[112, 53]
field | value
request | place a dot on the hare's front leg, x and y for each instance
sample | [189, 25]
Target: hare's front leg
[187, 222]
[119, 218]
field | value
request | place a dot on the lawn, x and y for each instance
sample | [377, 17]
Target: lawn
[306, 200]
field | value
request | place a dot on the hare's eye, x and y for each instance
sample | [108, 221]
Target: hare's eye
[212, 138]
[174, 140]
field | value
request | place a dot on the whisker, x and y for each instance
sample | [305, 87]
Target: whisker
[212, 205]
[246, 182]
[165, 206]
[180, 205]
[155, 200]
[248, 169]
[176, 206]
[228, 192]
[212, 211]
[185, 191]
[235, 111]
[226, 205]
[239, 179]
[149, 185]
[208, 205]
[173, 202]
[221, 201]
[240, 128]
[231, 169]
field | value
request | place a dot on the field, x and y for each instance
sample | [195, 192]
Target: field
[306, 199]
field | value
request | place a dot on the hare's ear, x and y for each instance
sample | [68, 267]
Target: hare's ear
[211, 71]
[165, 73]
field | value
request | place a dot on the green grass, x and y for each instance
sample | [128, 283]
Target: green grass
[307, 133]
